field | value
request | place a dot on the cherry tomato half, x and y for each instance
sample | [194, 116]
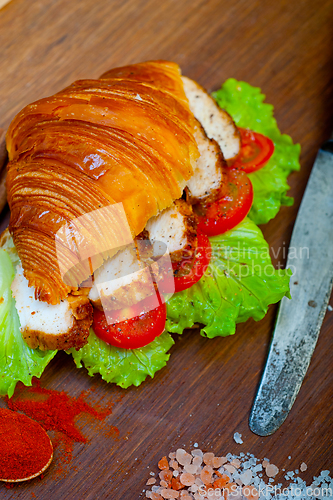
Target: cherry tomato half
[255, 152]
[140, 330]
[225, 213]
[201, 262]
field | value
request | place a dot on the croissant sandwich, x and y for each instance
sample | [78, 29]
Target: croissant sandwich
[130, 137]
[108, 177]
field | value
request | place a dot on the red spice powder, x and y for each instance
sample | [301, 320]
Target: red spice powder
[25, 448]
[57, 411]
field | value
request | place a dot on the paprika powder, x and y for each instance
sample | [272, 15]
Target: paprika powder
[25, 448]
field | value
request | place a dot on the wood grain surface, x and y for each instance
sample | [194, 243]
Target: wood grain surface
[206, 391]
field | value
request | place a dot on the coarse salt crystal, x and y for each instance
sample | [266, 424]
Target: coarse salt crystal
[195, 445]
[206, 474]
[208, 458]
[168, 493]
[191, 468]
[174, 464]
[265, 463]
[183, 457]
[217, 462]
[303, 467]
[230, 468]
[172, 455]
[150, 481]
[236, 463]
[197, 453]
[238, 438]
[271, 470]
[197, 461]
[187, 479]
[164, 483]
[155, 496]
[246, 477]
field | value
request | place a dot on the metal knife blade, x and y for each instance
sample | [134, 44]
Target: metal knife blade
[299, 320]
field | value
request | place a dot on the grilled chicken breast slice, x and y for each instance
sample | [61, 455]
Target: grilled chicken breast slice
[123, 280]
[176, 227]
[207, 179]
[48, 326]
[217, 123]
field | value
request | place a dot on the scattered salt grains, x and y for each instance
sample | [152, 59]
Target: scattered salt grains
[192, 472]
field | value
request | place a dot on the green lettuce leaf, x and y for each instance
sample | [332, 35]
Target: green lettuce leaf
[245, 104]
[124, 367]
[17, 361]
[240, 283]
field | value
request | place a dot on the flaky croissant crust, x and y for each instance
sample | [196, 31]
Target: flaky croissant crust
[125, 138]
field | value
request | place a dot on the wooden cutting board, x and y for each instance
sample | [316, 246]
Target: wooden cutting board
[206, 391]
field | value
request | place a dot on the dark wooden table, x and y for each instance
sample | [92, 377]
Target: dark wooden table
[206, 391]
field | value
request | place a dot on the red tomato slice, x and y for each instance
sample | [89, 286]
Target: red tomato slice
[255, 152]
[147, 324]
[201, 262]
[231, 209]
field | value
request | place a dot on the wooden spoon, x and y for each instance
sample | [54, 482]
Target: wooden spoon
[18, 426]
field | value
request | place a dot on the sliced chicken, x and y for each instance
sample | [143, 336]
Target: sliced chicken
[176, 226]
[206, 181]
[123, 280]
[47, 326]
[217, 123]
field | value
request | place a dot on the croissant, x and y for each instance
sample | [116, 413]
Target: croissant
[126, 138]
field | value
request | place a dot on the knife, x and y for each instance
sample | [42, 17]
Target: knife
[299, 320]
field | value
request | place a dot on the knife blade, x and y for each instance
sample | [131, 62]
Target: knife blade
[299, 320]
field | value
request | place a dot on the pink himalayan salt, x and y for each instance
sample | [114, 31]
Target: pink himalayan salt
[271, 470]
[217, 462]
[187, 479]
[168, 493]
[191, 468]
[208, 458]
[183, 457]
[206, 474]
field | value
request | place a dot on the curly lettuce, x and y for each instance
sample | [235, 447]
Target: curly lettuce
[124, 367]
[246, 105]
[240, 283]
